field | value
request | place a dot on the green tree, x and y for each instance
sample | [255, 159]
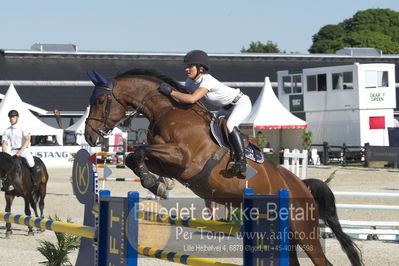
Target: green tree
[375, 28]
[261, 140]
[259, 47]
[307, 139]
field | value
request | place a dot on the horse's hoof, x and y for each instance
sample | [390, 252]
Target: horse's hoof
[162, 191]
[8, 234]
[169, 182]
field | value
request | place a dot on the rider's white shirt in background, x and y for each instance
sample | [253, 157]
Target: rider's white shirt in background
[218, 93]
[15, 136]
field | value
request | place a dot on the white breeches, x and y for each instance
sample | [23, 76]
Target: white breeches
[237, 114]
[27, 155]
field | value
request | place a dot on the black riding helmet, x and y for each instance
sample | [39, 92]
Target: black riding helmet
[197, 58]
[13, 113]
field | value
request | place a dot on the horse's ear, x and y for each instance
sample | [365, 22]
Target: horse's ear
[92, 77]
[101, 80]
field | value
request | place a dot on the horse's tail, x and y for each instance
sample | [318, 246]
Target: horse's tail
[43, 169]
[325, 200]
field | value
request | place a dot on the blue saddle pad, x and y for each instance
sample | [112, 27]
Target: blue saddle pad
[253, 153]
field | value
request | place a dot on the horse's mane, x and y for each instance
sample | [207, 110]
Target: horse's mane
[5, 156]
[155, 75]
[160, 77]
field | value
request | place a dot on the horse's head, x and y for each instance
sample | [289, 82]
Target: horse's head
[106, 110]
[8, 168]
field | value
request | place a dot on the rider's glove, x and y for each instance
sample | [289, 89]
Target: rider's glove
[165, 89]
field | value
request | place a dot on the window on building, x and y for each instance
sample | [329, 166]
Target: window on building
[297, 84]
[292, 84]
[287, 84]
[348, 81]
[311, 82]
[322, 82]
[376, 79]
[382, 78]
[317, 82]
[338, 80]
[342, 81]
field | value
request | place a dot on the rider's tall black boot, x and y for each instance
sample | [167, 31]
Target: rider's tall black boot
[240, 166]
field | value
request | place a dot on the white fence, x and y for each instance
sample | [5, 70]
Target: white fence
[296, 162]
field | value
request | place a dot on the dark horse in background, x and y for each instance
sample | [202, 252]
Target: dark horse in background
[181, 146]
[15, 172]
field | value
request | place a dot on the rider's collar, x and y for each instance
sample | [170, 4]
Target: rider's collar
[197, 77]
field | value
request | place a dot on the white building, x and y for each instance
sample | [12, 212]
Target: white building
[350, 104]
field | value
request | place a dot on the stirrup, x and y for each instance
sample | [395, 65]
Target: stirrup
[238, 169]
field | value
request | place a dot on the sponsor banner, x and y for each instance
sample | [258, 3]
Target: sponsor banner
[382, 153]
[55, 155]
[296, 103]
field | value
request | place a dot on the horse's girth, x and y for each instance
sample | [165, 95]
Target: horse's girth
[199, 182]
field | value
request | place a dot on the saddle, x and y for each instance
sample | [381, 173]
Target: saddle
[221, 135]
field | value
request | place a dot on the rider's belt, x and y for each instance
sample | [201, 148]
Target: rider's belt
[15, 149]
[236, 99]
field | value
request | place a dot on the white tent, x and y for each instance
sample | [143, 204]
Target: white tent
[79, 130]
[268, 113]
[29, 121]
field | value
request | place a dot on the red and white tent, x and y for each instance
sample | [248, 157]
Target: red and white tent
[268, 114]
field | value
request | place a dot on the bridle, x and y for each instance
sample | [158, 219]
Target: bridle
[106, 128]
[101, 90]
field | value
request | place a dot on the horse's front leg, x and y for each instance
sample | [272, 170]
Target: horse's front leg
[164, 154]
[9, 199]
[29, 199]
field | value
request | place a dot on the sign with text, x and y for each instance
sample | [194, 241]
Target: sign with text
[55, 155]
[296, 103]
[382, 153]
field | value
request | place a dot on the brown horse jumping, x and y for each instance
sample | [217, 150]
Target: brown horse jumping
[15, 172]
[180, 146]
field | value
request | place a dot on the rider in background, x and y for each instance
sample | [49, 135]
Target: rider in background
[19, 139]
[232, 102]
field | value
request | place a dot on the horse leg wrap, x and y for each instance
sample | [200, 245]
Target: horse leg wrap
[135, 161]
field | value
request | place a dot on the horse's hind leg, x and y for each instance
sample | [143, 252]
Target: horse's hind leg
[305, 229]
[307, 236]
[293, 255]
[9, 199]
[33, 204]
[41, 201]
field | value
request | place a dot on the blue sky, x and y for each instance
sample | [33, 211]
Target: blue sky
[216, 26]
